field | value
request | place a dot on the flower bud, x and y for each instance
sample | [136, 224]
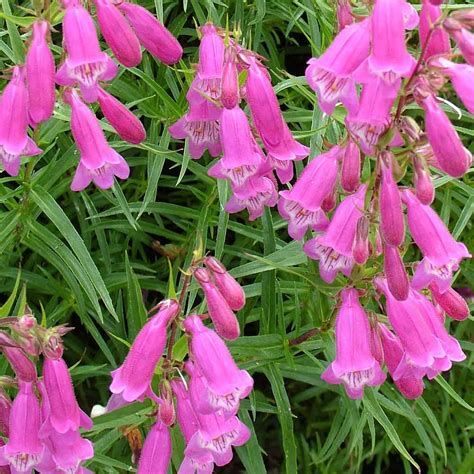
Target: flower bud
[230, 80]
[360, 249]
[397, 278]
[351, 167]
[451, 302]
[329, 202]
[422, 181]
[24, 369]
[5, 408]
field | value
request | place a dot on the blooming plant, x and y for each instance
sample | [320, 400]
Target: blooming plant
[320, 151]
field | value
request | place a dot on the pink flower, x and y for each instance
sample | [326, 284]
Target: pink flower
[330, 75]
[269, 122]
[65, 413]
[152, 34]
[124, 122]
[23, 449]
[155, 456]
[464, 38]
[397, 278]
[344, 14]
[24, 369]
[226, 283]
[452, 303]
[201, 126]
[301, 206]
[14, 140]
[334, 247]
[462, 77]
[371, 118]
[439, 40]
[389, 58]
[118, 34]
[187, 420]
[354, 366]
[40, 75]
[422, 181]
[5, 409]
[214, 361]
[409, 381]
[222, 316]
[85, 63]
[132, 379]
[450, 153]
[351, 167]
[253, 196]
[98, 161]
[230, 80]
[361, 245]
[442, 254]
[392, 224]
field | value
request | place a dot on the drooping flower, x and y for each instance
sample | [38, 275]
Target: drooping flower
[85, 63]
[450, 153]
[65, 413]
[392, 224]
[301, 205]
[155, 456]
[269, 122]
[124, 122]
[98, 161]
[330, 75]
[152, 34]
[442, 254]
[132, 379]
[409, 382]
[228, 286]
[464, 38]
[118, 33]
[452, 303]
[389, 58]
[40, 70]
[397, 278]
[23, 449]
[201, 126]
[225, 322]
[334, 247]
[14, 140]
[214, 361]
[254, 196]
[354, 366]
[436, 42]
[351, 167]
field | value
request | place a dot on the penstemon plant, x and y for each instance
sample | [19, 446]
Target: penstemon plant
[379, 86]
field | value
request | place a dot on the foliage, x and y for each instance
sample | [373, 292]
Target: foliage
[98, 260]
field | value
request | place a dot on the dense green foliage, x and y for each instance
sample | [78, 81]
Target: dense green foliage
[98, 260]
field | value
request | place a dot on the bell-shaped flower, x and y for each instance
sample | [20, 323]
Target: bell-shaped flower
[132, 379]
[124, 122]
[40, 71]
[351, 167]
[118, 33]
[14, 140]
[442, 254]
[24, 448]
[334, 247]
[227, 284]
[389, 58]
[451, 155]
[301, 205]
[397, 278]
[214, 361]
[371, 118]
[409, 381]
[254, 195]
[201, 126]
[330, 75]
[437, 41]
[354, 365]
[155, 456]
[85, 63]
[392, 224]
[225, 322]
[451, 302]
[65, 413]
[151, 33]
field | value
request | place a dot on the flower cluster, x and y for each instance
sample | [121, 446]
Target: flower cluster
[227, 73]
[41, 424]
[206, 405]
[370, 55]
[29, 98]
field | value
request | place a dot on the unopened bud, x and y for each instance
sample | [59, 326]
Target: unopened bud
[451, 302]
[351, 167]
[397, 277]
[230, 80]
[360, 249]
[422, 181]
